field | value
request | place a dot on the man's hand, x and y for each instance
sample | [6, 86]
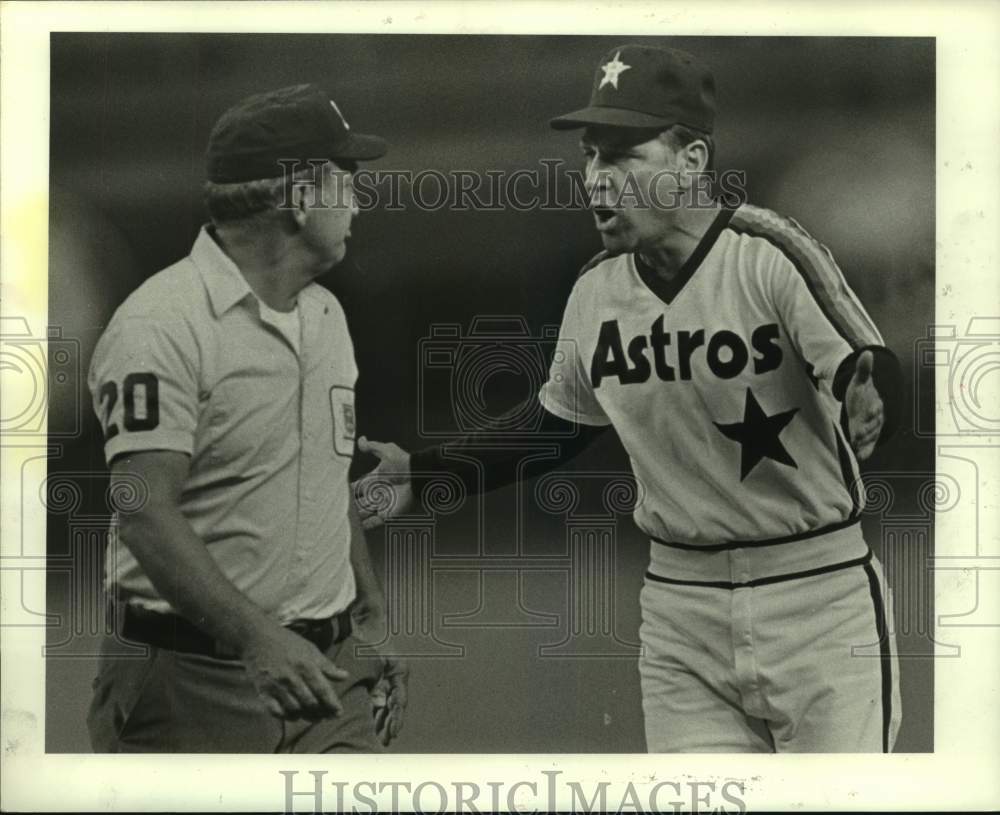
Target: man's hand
[388, 695]
[368, 621]
[385, 492]
[292, 676]
[865, 413]
[389, 699]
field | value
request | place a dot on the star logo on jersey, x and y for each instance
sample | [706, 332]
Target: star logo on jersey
[758, 435]
[612, 70]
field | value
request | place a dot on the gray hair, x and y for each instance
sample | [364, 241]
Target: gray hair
[680, 136]
[246, 200]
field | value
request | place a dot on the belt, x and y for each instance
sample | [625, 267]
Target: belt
[764, 581]
[175, 633]
[749, 564]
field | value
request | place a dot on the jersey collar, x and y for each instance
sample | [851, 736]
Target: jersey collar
[225, 284]
[668, 290]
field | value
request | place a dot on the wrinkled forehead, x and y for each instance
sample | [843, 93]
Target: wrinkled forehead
[617, 138]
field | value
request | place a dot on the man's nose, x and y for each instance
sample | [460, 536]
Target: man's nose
[597, 182]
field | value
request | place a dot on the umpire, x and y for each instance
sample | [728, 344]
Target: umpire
[225, 388]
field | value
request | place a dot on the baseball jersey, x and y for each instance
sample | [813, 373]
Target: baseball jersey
[720, 384]
[263, 404]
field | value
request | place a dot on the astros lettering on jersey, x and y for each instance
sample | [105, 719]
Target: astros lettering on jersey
[720, 383]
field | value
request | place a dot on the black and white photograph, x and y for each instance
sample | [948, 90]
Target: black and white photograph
[432, 393]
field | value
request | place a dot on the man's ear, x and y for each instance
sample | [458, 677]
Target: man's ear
[692, 160]
[696, 156]
[302, 199]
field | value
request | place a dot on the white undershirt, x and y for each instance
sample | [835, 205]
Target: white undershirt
[289, 323]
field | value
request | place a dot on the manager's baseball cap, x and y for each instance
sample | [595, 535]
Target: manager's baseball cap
[300, 122]
[643, 86]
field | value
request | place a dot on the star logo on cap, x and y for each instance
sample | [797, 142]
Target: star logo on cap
[340, 115]
[612, 70]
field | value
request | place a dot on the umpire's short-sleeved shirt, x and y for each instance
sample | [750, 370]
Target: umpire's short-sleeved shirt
[190, 363]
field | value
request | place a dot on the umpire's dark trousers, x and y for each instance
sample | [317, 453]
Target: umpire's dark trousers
[174, 702]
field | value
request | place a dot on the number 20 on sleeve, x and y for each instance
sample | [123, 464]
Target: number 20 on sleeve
[140, 400]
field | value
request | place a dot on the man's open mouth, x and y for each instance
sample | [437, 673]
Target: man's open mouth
[605, 216]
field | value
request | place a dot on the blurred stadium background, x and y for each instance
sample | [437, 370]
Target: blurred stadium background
[836, 132]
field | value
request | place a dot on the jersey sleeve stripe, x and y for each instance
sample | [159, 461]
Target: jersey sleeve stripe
[819, 260]
[852, 479]
[596, 260]
[815, 264]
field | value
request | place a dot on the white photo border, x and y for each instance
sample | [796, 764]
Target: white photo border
[960, 774]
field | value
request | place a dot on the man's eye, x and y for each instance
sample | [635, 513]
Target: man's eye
[607, 156]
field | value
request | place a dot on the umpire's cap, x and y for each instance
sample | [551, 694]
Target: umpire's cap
[300, 122]
[644, 86]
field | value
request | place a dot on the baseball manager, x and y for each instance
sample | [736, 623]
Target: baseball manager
[745, 381]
